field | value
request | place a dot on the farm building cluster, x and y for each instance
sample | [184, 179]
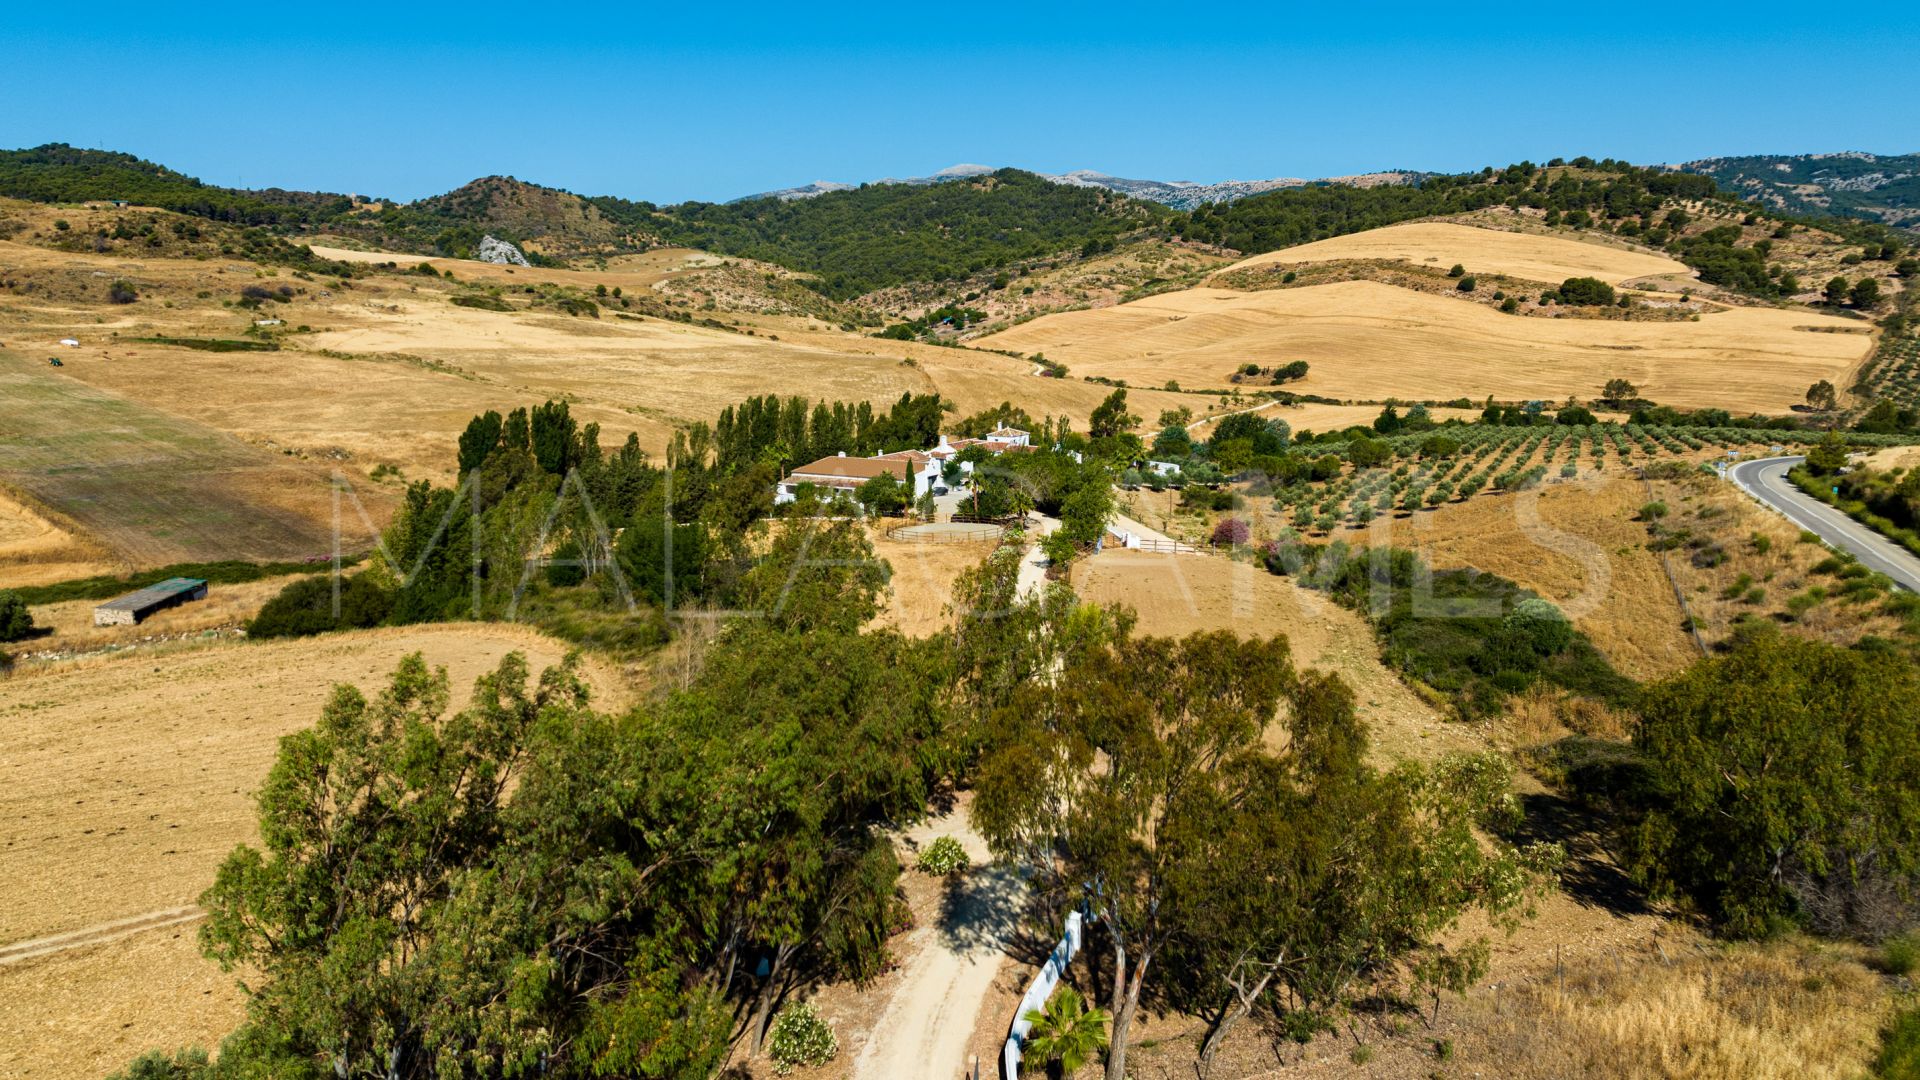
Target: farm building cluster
[919, 471]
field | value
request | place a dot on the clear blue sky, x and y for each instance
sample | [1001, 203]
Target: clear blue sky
[718, 100]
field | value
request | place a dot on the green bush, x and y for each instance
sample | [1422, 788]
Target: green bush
[1899, 1057]
[484, 303]
[306, 607]
[16, 622]
[190, 1064]
[1900, 955]
[942, 857]
[1541, 625]
[800, 1036]
[1586, 291]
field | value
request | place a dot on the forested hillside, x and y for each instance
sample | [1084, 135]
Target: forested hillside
[879, 235]
[57, 172]
[1874, 187]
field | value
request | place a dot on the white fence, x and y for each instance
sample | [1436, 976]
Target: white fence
[1037, 994]
[1149, 544]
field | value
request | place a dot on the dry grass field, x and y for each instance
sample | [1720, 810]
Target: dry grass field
[70, 622]
[1442, 244]
[1574, 542]
[1175, 595]
[124, 782]
[389, 370]
[921, 591]
[1370, 341]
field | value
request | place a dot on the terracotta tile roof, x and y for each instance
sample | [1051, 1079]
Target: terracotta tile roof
[850, 468]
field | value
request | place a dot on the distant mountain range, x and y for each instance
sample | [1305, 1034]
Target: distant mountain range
[1179, 194]
[1875, 187]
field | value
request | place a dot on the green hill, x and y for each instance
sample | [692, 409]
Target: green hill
[57, 173]
[889, 234]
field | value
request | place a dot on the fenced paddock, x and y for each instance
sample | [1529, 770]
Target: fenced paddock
[947, 532]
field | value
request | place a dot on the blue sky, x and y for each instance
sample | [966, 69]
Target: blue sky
[713, 101]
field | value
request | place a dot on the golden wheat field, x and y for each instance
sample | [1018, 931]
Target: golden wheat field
[1442, 244]
[128, 778]
[1371, 341]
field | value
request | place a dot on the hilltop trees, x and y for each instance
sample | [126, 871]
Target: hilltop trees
[1865, 294]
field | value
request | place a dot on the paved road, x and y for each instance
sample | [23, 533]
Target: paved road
[1766, 480]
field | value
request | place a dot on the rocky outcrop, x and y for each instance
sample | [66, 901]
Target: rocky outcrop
[495, 250]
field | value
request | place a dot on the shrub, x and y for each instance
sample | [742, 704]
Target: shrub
[16, 621]
[1066, 1031]
[1058, 548]
[1899, 955]
[1586, 291]
[189, 1064]
[1467, 284]
[1541, 625]
[122, 292]
[1899, 1057]
[1653, 511]
[942, 857]
[306, 607]
[800, 1036]
[1231, 532]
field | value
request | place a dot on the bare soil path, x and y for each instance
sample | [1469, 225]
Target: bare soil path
[927, 1025]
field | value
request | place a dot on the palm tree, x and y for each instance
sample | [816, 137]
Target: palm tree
[1066, 1032]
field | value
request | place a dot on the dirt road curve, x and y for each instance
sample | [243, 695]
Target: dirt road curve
[100, 934]
[927, 1023]
[1766, 480]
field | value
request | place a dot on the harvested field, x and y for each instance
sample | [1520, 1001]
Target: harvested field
[1312, 416]
[1441, 244]
[36, 549]
[629, 272]
[124, 783]
[1369, 341]
[88, 1011]
[386, 370]
[152, 487]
